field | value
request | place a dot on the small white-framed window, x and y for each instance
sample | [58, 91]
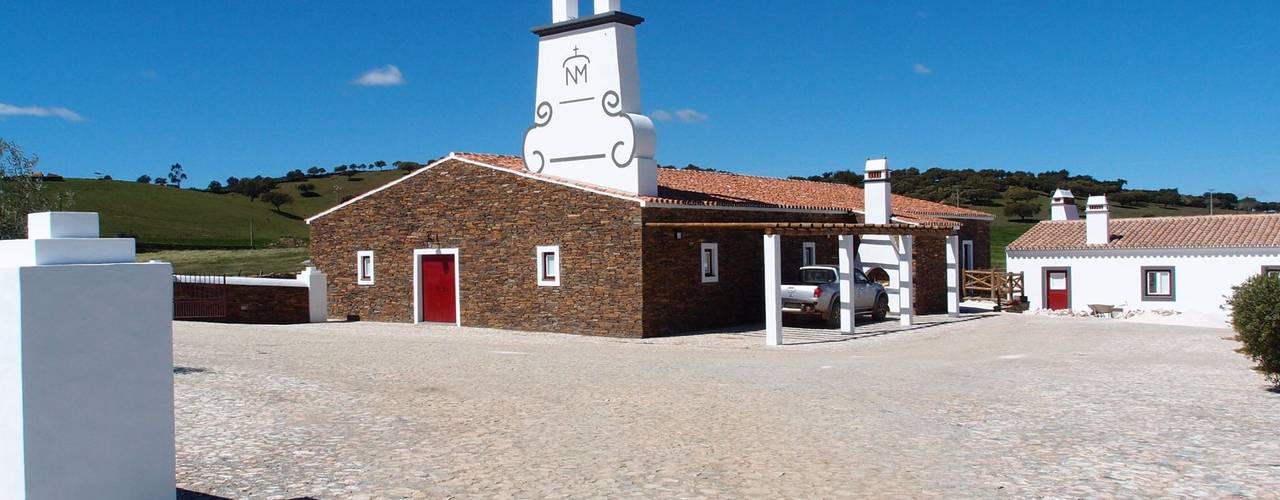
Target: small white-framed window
[364, 267]
[548, 265]
[810, 257]
[710, 257]
[966, 253]
[1158, 283]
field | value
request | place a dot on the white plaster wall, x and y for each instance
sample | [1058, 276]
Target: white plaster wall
[880, 251]
[1202, 278]
[12, 472]
[97, 379]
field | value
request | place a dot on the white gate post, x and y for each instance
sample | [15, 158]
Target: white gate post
[954, 268]
[906, 283]
[86, 365]
[773, 289]
[317, 293]
[846, 284]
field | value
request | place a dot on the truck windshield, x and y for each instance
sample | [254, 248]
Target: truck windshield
[817, 276]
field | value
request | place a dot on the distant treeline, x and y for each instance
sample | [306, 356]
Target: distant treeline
[984, 187]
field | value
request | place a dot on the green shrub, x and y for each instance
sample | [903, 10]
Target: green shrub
[1255, 314]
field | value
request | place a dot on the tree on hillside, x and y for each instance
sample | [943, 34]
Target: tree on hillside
[21, 193]
[277, 199]
[407, 166]
[1019, 193]
[308, 190]
[295, 175]
[255, 187]
[176, 175]
[380, 164]
[1129, 198]
[144, 179]
[160, 181]
[1248, 204]
[315, 171]
[1167, 197]
[215, 187]
[1021, 210]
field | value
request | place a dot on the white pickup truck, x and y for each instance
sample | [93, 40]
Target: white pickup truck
[818, 294]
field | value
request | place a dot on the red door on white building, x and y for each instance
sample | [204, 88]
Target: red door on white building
[439, 293]
[1057, 289]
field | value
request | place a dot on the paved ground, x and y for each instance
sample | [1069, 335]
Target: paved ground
[998, 406]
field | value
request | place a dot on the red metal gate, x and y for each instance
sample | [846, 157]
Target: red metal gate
[199, 297]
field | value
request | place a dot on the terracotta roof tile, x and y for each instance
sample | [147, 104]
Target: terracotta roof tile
[702, 188]
[1202, 231]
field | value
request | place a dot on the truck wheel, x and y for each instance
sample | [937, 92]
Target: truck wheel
[833, 314]
[882, 308]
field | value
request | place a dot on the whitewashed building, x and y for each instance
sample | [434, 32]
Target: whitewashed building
[1185, 264]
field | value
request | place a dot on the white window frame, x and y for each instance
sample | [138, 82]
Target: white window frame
[714, 276]
[967, 253]
[1171, 296]
[542, 277]
[373, 264]
[809, 254]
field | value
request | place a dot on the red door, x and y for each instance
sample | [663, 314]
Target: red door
[438, 292]
[1058, 289]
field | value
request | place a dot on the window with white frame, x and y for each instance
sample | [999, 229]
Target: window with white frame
[710, 262]
[548, 265]
[1158, 283]
[810, 257]
[364, 267]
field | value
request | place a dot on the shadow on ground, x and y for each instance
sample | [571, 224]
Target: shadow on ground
[802, 331]
[195, 495]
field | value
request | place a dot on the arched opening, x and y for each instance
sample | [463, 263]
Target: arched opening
[878, 275]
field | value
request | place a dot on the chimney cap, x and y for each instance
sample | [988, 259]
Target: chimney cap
[877, 164]
[1098, 202]
[1063, 193]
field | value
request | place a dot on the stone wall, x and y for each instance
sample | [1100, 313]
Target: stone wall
[675, 298]
[495, 219]
[980, 232]
[266, 305]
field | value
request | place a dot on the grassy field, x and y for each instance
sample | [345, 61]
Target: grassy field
[1004, 230]
[232, 262]
[164, 215]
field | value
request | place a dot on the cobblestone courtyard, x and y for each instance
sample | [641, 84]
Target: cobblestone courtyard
[1002, 405]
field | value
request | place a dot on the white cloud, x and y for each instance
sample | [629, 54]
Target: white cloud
[385, 76]
[921, 69]
[40, 111]
[686, 115]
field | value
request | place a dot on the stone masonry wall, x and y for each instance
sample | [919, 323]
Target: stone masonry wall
[495, 219]
[980, 232]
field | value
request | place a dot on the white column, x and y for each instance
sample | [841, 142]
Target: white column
[86, 375]
[563, 10]
[317, 293]
[605, 6]
[953, 275]
[773, 289]
[906, 283]
[846, 283]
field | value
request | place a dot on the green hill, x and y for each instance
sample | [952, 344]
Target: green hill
[159, 215]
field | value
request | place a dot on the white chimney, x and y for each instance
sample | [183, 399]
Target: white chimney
[606, 6]
[875, 188]
[1063, 206]
[1097, 221]
[565, 10]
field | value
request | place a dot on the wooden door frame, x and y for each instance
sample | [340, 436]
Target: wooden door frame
[1044, 286]
[418, 253]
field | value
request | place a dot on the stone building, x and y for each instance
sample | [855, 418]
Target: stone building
[565, 238]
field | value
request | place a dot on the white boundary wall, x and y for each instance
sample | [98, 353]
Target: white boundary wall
[1202, 278]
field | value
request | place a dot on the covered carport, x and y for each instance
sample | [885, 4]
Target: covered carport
[902, 234]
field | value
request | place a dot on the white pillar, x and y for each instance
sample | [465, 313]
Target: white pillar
[317, 293]
[86, 373]
[563, 10]
[906, 283]
[846, 283]
[606, 6]
[773, 289]
[953, 275]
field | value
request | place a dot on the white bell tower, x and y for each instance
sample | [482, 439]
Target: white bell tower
[587, 124]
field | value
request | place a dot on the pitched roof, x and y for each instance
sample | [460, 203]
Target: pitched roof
[1201, 231]
[703, 188]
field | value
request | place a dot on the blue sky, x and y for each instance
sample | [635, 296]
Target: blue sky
[1169, 93]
